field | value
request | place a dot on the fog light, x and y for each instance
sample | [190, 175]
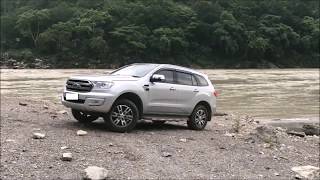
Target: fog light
[94, 101]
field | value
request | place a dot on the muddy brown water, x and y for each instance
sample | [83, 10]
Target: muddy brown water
[285, 93]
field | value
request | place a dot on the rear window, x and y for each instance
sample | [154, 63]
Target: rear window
[201, 80]
[184, 78]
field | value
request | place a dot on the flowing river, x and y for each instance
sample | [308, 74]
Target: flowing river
[284, 93]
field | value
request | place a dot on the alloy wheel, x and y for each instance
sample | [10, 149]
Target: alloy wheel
[122, 115]
[200, 118]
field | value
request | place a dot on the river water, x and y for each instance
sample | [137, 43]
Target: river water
[285, 93]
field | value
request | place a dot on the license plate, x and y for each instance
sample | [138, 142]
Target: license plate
[72, 96]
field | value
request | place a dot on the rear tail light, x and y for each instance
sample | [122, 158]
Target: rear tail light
[215, 93]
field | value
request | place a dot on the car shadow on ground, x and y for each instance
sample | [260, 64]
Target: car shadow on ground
[141, 126]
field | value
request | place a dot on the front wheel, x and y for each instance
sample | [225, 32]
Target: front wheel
[199, 118]
[83, 117]
[123, 116]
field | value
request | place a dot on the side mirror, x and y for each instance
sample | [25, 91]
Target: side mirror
[157, 78]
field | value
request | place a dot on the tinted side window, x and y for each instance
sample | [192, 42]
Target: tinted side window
[184, 78]
[168, 74]
[201, 81]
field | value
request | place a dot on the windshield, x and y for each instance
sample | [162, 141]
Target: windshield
[136, 70]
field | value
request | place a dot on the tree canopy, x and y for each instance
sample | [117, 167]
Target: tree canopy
[202, 33]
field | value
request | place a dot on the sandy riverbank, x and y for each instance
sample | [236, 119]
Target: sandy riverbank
[216, 152]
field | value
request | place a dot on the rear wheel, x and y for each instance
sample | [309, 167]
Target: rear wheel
[199, 118]
[123, 116]
[83, 117]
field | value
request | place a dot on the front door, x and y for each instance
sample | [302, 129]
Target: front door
[162, 96]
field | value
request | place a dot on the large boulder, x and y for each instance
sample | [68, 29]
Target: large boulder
[311, 129]
[307, 172]
[266, 134]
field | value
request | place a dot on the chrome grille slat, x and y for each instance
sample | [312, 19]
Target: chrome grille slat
[79, 85]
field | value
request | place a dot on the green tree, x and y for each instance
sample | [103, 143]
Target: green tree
[32, 22]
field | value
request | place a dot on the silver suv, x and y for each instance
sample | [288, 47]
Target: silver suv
[157, 92]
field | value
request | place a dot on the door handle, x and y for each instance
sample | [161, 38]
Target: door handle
[146, 87]
[196, 90]
[172, 89]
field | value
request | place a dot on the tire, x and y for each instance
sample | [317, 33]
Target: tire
[158, 123]
[83, 117]
[123, 116]
[199, 118]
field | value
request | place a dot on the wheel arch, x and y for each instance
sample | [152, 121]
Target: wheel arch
[207, 105]
[135, 99]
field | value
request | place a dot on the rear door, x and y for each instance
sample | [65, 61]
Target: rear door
[186, 89]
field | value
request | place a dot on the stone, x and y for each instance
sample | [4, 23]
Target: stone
[81, 133]
[63, 147]
[310, 129]
[183, 140]
[166, 154]
[95, 173]
[10, 140]
[267, 134]
[250, 140]
[45, 106]
[38, 136]
[276, 174]
[307, 172]
[295, 133]
[267, 145]
[23, 104]
[62, 112]
[66, 156]
[230, 134]
[220, 114]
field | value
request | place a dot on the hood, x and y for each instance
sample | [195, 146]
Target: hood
[105, 78]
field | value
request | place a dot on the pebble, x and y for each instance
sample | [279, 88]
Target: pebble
[64, 147]
[230, 134]
[166, 154]
[62, 112]
[267, 145]
[38, 136]
[295, 133]
[183, 140]
[23, 104]
[81, 133]
[95, 173]
[66, 156]
[10, 140]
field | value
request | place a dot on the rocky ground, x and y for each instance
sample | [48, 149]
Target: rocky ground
[150, 151]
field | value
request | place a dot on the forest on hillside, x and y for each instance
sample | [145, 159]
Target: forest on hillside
[197, 33]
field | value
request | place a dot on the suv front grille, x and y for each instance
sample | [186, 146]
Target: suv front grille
[79, 85]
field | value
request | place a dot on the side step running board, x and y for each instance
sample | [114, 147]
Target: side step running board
[165, 118]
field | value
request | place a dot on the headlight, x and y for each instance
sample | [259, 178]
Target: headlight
[102, 84]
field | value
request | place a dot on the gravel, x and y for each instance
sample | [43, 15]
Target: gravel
[139, 154]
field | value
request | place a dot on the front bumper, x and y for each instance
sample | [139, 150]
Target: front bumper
[89, 101]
